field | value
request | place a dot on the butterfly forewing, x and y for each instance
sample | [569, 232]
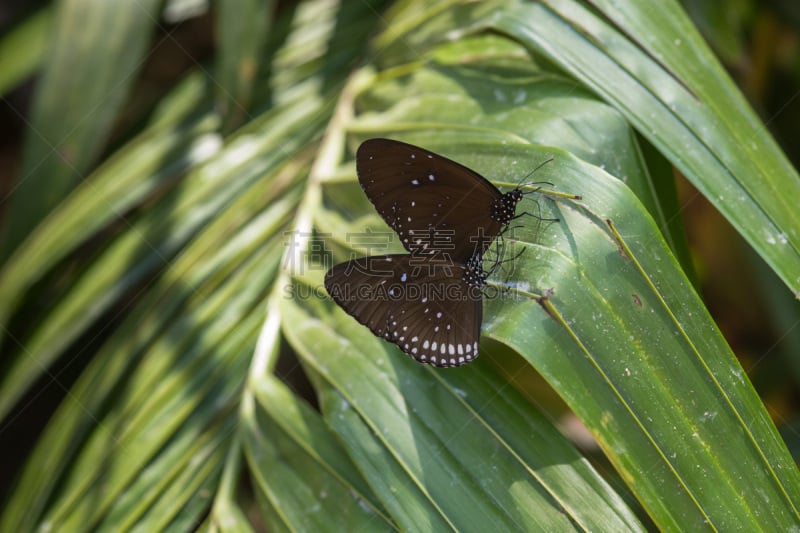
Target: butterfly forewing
[432, 310]
[432, 203]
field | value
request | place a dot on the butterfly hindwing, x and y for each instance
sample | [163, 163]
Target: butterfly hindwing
[431, 310]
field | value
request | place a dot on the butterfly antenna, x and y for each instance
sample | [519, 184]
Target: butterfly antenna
[532, 172]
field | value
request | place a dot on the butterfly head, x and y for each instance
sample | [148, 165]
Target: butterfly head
[505, 207]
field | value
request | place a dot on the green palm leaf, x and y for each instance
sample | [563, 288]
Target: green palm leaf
[186, 269]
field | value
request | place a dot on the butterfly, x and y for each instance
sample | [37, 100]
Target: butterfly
[428, 302]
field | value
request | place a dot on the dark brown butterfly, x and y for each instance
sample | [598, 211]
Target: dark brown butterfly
[429, 303]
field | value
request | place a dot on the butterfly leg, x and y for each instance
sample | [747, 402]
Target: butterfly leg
[536, 216]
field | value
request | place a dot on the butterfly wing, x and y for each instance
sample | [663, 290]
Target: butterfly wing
[431, 201]
[429, 309]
